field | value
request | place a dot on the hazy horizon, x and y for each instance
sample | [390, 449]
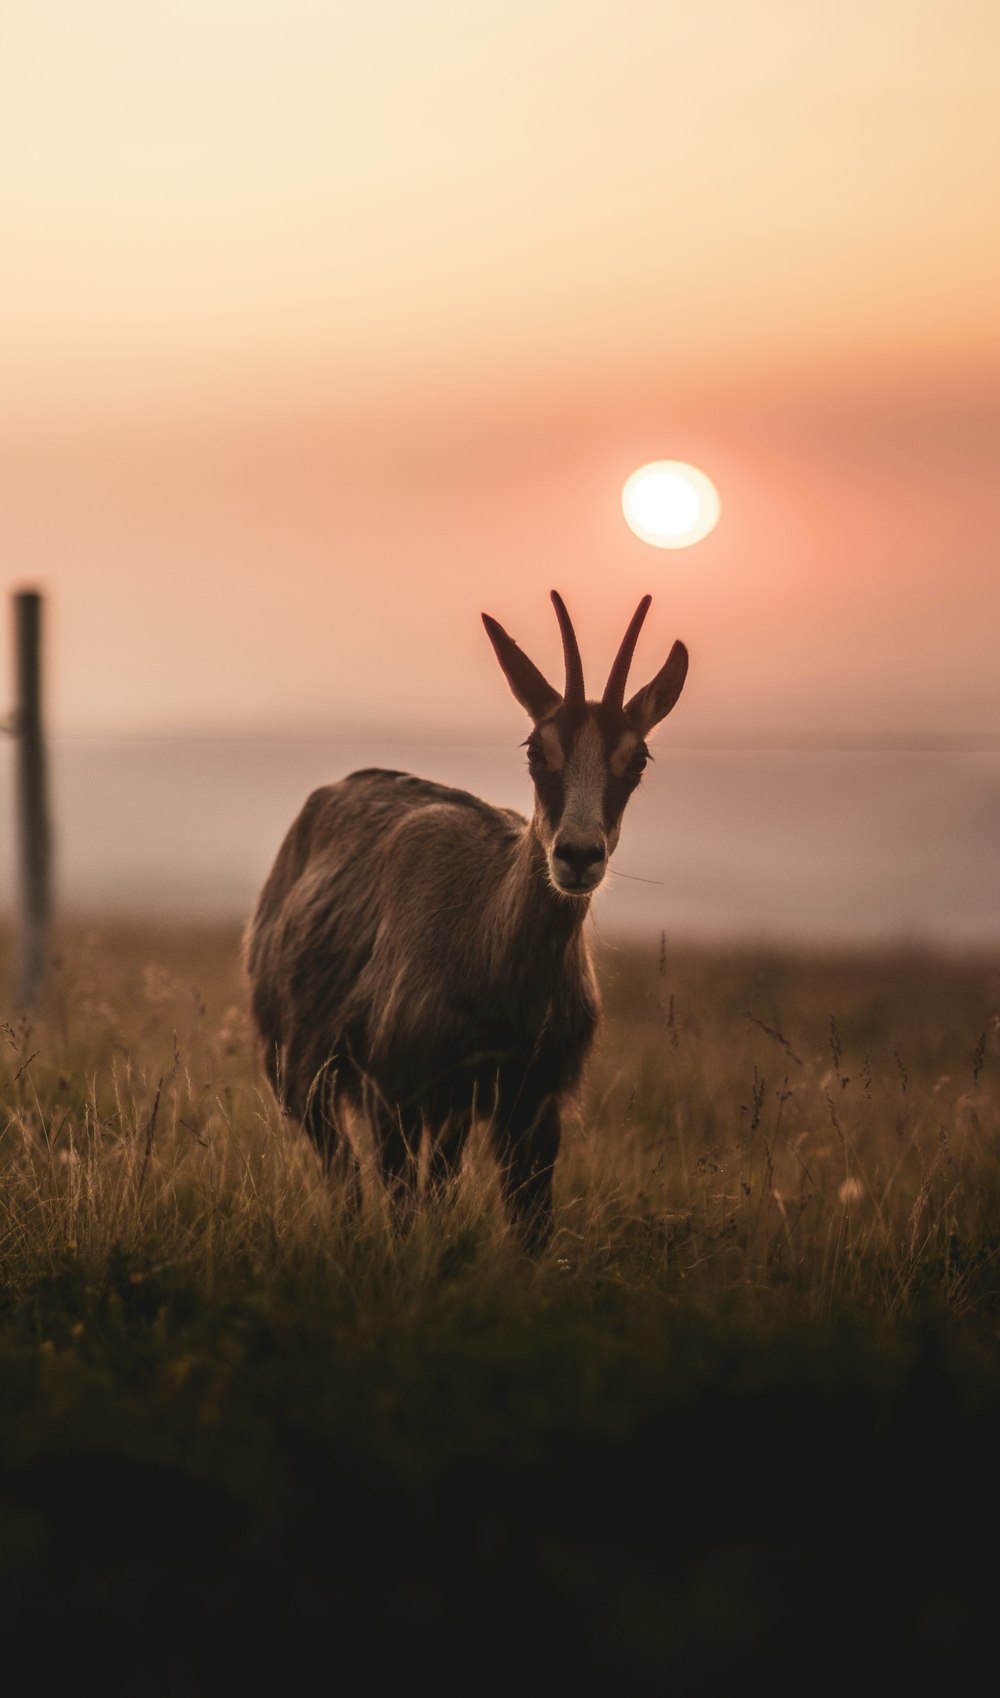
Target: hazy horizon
[856, 848]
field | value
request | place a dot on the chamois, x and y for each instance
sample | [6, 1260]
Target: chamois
[418, 956]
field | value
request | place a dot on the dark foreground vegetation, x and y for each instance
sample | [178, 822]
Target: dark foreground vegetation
[742, 1418]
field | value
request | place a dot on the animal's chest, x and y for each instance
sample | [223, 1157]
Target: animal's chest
[560, 1019]
[464, 1020]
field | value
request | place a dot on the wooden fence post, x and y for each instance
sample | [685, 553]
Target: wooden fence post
[34, 835]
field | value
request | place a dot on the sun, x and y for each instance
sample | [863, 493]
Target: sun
[670, 504]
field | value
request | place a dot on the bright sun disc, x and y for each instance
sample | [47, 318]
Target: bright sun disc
[670, 504]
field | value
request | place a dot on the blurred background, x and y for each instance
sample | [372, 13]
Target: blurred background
[327, 326]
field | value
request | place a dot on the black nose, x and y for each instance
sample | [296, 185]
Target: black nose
[578, 855]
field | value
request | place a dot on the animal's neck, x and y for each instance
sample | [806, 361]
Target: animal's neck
[529, 913]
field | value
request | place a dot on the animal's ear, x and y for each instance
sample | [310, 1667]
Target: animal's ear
[654, 701]
[534, 692]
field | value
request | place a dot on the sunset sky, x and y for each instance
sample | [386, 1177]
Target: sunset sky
[326, 326]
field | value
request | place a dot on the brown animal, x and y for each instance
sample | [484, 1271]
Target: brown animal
[418, 956]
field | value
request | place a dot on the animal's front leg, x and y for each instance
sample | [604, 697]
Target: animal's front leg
[447, 1146]
[525, 1134]
[397, 1133]
[322, 1116]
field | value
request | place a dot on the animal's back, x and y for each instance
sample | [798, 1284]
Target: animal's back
[368, 861]
[346, 830]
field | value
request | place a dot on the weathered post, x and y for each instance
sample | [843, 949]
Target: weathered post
[34, 837]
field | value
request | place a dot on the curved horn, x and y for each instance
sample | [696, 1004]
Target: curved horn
[571, 651]
[614, 693]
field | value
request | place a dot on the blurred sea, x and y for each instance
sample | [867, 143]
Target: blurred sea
[791, 845]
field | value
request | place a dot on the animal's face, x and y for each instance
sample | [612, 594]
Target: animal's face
[585, 762]
[585, 758]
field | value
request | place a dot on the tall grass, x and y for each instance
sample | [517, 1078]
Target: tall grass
[777, 1131]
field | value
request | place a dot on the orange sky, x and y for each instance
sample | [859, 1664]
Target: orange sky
[326, 326]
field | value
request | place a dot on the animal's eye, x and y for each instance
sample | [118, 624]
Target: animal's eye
[536, 757]
[637, 764]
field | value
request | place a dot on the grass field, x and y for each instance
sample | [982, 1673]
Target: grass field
[741, 1416]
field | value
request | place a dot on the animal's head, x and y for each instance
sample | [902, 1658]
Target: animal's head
[585, 757]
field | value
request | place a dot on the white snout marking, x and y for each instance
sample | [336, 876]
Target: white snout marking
[586, 773]
[582, 823]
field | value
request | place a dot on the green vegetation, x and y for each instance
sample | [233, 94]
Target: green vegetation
[741, 1412]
